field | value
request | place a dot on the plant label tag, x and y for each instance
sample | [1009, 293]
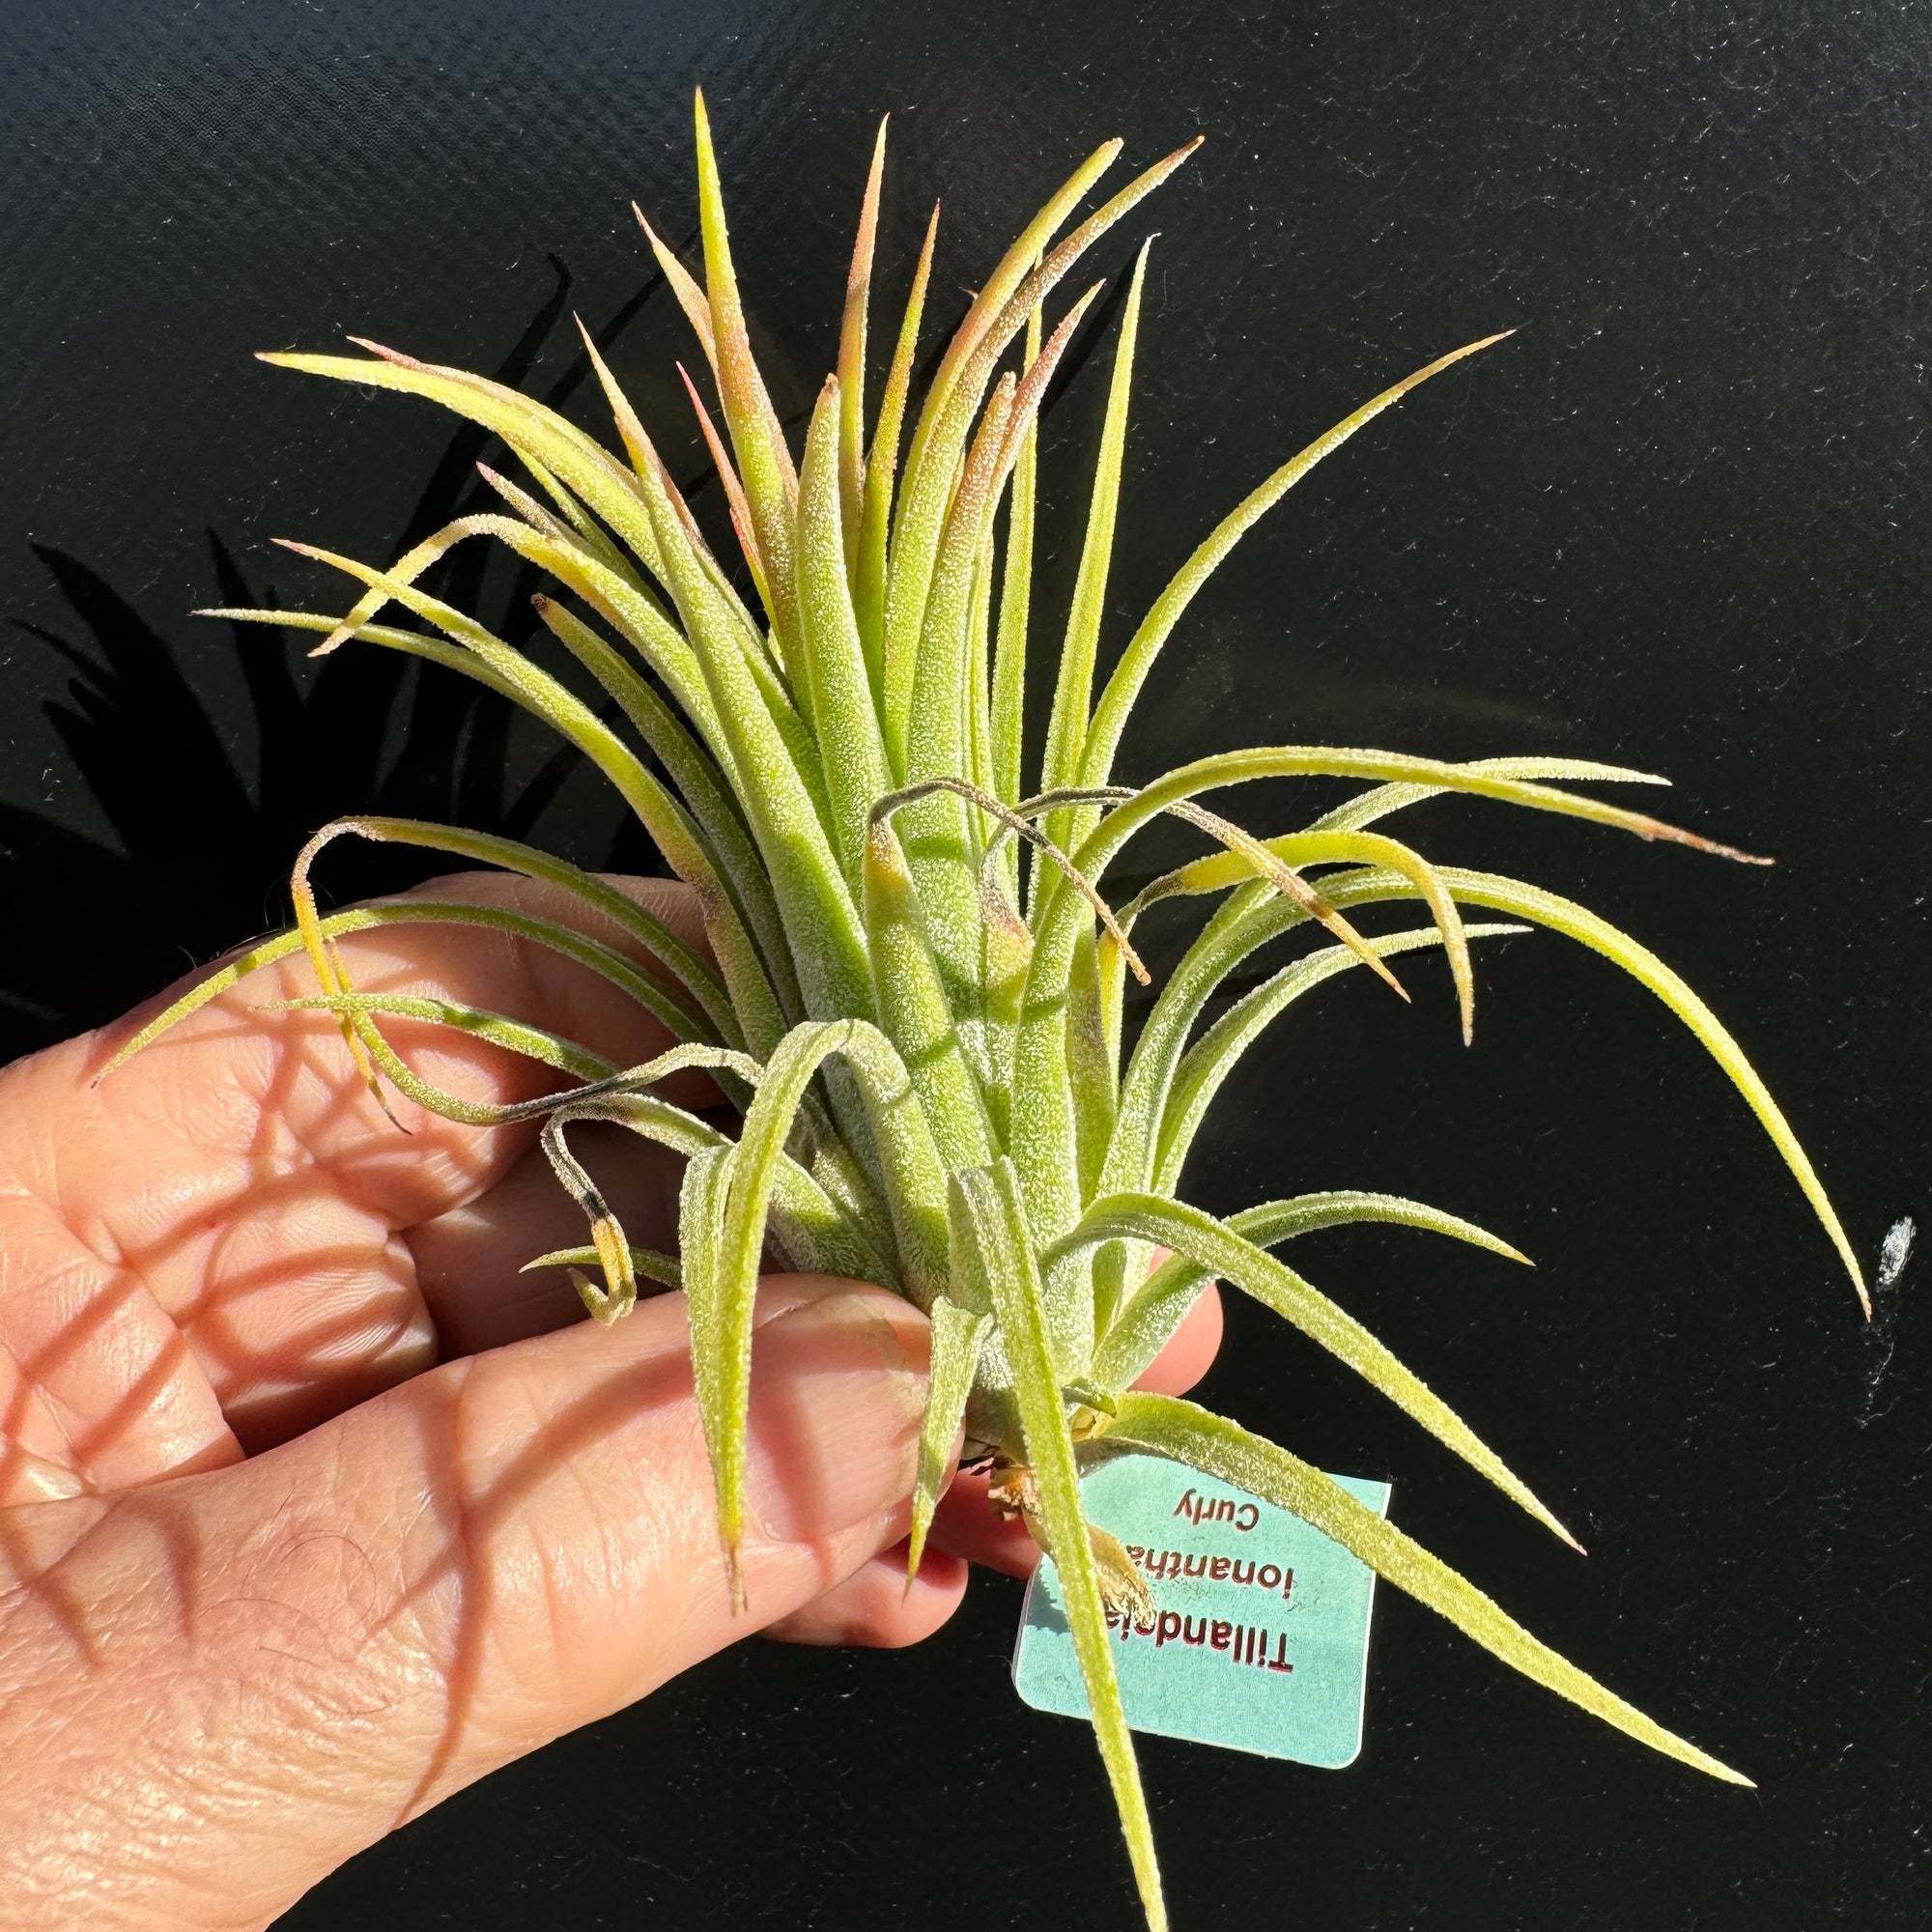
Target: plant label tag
[1260, 1639]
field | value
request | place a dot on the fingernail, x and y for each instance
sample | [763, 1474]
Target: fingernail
[837, 1389]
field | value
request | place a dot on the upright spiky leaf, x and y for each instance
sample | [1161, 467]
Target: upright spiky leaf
[990, 1228]
[1073, 690]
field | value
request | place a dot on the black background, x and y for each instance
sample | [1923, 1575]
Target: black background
[1678, 521]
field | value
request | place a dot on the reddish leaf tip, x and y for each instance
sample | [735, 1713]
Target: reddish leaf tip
[387, 354]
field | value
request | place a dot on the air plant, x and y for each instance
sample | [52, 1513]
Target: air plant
[914, 985]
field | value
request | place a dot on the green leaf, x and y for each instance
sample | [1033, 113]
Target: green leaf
[1116, 700]
[814, 1232]
[979, 667]
[1008, 692]
[728, 840]
[834, 660]
[990, 1234]
[940, 433]
[958, 1335]
[943, 852]
[820, 916]
[570, 524]
[998, 313]
[739, 507]
[729, 1278]
[590, 470]
[1008, 950]
[479, 1023]
[1073, 689]
[1208, 1062]
[1223, 869]
[1042, 1140]
[1184, 1433]
[763, 460]
[681, 542]
[663, 1269]
[913, 1007]
[869, 588]
[1090, 1064]
[1147, 1322]
[1574, 921]
[1246, 767]
[662, 815]
[753, 999]
[1217, 1247]
[721, 1339]
[611, 588]
[690, 298]
[1578, 923]
[531, 1041]
[563, 939]
[623, 911]
[936, 733]
[852, 357]
[1366, 806]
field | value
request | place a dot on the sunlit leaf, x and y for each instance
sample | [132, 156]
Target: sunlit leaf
[1168, 1425]
[1212, 1245]
[957, 1334]
[989, 1231]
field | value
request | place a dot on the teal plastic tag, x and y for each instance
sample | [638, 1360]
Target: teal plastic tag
[1261, 1642]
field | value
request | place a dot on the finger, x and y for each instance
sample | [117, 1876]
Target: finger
[966, 1525]
[872, 1606]
[496, 1553]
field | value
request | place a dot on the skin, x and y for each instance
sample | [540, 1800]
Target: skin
[313, 1509]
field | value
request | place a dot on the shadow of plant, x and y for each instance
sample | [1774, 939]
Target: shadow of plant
[199, 857]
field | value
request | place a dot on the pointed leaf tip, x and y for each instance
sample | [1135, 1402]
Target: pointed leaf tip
[388, 355]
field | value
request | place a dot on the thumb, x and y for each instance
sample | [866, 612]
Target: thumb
[295, 1654]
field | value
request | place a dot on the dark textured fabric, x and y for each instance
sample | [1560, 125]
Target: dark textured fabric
[1679, 521]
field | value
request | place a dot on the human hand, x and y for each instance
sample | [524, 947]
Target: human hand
[313, 1509]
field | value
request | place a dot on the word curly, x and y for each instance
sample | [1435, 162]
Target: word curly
[1225, 1509]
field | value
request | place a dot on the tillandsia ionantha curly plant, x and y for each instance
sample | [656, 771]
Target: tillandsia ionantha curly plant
[916, 983]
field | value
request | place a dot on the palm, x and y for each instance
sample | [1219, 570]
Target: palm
[227, 1241]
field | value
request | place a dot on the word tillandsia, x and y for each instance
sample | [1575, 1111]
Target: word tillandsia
[913, 986]
[1244, 1643]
